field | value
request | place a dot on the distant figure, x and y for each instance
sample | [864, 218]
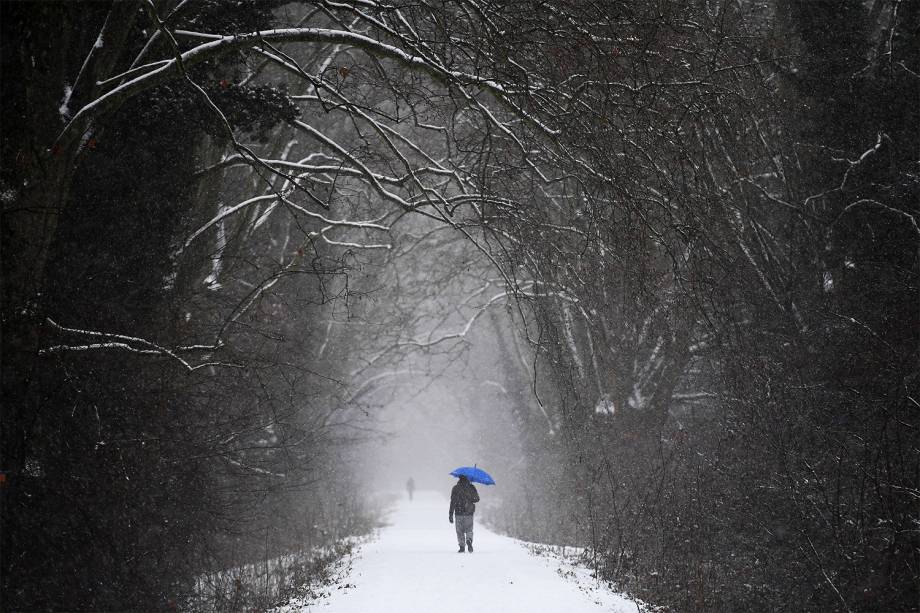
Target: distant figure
[463, 499]
[410, 487]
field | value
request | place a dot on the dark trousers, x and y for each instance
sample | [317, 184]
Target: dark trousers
[464, 526]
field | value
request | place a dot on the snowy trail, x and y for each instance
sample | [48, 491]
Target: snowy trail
[414, 567]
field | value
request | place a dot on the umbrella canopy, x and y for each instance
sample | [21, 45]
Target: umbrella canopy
[474, 474]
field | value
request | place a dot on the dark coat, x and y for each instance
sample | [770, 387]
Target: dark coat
[463, 498]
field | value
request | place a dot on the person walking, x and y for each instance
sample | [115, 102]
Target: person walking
[410, 487]
[463, 499]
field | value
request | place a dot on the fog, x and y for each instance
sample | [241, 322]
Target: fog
[430, 434]
[433, 426]
[430, 424]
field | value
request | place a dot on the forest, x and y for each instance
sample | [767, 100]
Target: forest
[668, 250]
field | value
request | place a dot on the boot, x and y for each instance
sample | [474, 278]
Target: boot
[461, 550]
[469, 545]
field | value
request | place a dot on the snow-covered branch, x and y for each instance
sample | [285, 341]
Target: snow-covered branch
[132, 344]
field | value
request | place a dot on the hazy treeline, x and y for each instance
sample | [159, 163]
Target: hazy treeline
[702, 217]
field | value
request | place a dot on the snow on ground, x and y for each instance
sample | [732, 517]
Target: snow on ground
[414, 567]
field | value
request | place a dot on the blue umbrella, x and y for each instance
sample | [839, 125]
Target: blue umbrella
[474, 474]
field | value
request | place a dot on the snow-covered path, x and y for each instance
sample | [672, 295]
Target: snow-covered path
[414, 567]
